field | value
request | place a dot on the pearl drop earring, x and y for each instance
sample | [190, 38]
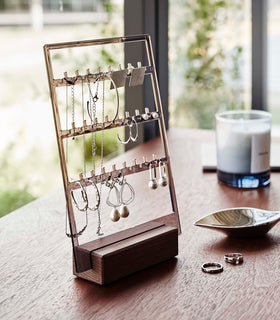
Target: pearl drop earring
[115, 214]
[124, 212]
[162, 178]
[153, 182]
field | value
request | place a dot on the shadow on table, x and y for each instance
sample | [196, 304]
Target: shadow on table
[126, 286]
[248, 245]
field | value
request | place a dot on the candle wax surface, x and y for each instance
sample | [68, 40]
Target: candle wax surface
[243, 149]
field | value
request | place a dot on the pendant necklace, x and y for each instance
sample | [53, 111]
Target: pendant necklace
[91, 108]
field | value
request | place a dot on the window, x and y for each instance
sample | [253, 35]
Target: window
[273, 60]
[209, 60]
[27, 157]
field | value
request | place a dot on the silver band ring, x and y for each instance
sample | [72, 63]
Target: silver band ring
[234, 258]
[219, 267]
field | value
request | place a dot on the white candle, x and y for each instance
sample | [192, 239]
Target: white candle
[243, 145]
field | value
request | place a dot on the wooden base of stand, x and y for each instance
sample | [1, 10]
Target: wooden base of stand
[113, 257]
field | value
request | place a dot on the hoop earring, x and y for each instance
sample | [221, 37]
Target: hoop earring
[97, 196]
[130, 138]
[84, 196]
[117, 95]
[130, 130]
[123, 142]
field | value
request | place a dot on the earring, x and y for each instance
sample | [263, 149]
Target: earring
[162, 178]
[131, 138]
[137, 75]
[97, 197]
[119, 77]
[153, 181]
[136, 130]
[145, 116]
[123, 142]
[124, 212]
[84, 197]
[115, 214]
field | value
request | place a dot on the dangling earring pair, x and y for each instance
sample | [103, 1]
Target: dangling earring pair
[130, 138]
[85, 197]
[119, 201]
[162, 181]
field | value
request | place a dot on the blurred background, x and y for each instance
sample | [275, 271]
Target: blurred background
[209, 68]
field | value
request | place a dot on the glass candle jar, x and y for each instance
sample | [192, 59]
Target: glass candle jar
[243, 148]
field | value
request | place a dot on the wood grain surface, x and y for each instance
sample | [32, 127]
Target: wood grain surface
[36, 280]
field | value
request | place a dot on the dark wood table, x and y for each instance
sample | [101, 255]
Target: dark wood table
[36, 257]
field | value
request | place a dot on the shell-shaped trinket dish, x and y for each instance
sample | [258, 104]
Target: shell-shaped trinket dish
[240, 222]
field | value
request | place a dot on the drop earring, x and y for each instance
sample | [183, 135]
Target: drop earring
[162, 177]
[97, 197]
[124, 212]
[84, 197]
[153, 181]
[115, 214]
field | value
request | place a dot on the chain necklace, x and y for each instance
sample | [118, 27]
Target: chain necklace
[73, 106]
[84, 142]
[68, 234]
[66, 156]
[92, 113]
[66, 124]
[99, 233]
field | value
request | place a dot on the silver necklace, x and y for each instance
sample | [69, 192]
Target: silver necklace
[99, 233]
[68, 234]
[91, 108]
[73, 107]
[84, 142]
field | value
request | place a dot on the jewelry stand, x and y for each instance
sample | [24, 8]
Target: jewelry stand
[112, 257]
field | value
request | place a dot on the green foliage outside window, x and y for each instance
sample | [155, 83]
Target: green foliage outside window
[15, 179]
[203, 60]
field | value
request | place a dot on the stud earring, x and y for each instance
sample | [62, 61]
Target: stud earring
[137, 75]
[162, 177]
[119, 77]
[153, 181]
[146, 115]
